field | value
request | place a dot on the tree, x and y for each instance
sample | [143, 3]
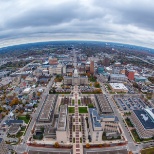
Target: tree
[100, 145]
[15, 101]
[27, 116]
[87, 145]
[97, 85]
[56, 145]
[38, 94]
[34, 94]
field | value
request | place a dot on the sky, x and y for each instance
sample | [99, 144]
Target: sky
[123, 21]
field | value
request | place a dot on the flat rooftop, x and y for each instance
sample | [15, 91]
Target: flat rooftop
[118, 86]
[118, 76]
[103, 103]
[144, 118]
[62, 118]
[47, 108]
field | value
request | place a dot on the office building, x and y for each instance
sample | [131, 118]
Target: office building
[130, 74]
[76, 79]
[61, 133]
[91, 67]
[143, 121]
[118, 78]
[99, 123]
[118, 87]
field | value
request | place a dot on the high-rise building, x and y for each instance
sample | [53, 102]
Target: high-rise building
[130, 74]
[3, 147]
[92, 67]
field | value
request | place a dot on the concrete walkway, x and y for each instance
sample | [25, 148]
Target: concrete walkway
[77, 147]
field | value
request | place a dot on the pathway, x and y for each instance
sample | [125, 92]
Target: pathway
[77, 149]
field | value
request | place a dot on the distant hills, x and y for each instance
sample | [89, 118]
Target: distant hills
[117, 46]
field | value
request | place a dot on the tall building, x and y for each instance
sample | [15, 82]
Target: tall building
[92, 67]
[3, 147]
[130, 74]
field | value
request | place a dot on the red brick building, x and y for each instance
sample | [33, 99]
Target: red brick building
[130, 74]
[91, 67]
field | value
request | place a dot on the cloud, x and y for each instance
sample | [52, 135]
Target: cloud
[127, 21]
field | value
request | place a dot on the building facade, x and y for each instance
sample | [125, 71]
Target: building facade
[130, 74]
[75, 79]
[92, 67]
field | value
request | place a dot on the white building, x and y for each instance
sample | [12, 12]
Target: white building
[118, 87]
[56, 69]
[27, 90]
[61, 133]
[102, 123]
[76, 79]
[118, 78]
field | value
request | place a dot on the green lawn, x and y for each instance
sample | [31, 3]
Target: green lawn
[136, 137]
[129, 122]
[90, 105]
[24, 119]
[23, 129]
[71, 109]
[72, 101]
[83, 110]
[148, 151]
[79, 102]
[19, 134]
[92, 79]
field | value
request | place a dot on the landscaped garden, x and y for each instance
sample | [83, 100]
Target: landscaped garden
[83, 110]
[90, 106]
[25, 118]
[71, 109]
[129, 123]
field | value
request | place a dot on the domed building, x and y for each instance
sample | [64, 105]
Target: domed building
[75, 79]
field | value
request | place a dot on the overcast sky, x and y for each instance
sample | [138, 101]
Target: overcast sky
[125, 21]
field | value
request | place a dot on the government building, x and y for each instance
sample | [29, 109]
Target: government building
[75, 79]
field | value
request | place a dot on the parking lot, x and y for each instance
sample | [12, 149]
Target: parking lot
[86, 89]
[130, 89]
[130, 103]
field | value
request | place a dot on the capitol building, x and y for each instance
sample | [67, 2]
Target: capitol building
[75, 79]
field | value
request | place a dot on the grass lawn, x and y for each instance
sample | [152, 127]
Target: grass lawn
[73, 102]
[136, 137]
[83, 110]
[19, 134]
[148, 151]
[92, 79]
[71, 109]
[23, 129]
[24, 119]
[90, 105]
[79, 102]
[129, 122]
